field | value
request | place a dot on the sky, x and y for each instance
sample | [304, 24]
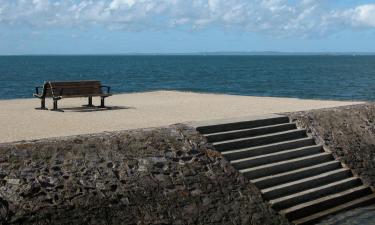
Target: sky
[185, 26]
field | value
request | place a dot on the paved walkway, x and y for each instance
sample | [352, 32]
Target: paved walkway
[20, 121]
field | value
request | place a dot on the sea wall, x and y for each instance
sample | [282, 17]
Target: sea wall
[349, 132]
[164, 175]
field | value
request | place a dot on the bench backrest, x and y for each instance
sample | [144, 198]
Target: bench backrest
[72, 88]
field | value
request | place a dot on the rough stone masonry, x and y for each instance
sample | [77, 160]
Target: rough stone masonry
[348, 131]
[164, 175]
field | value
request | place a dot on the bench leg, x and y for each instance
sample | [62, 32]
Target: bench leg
[55, 108]
[55, 105]
[42, 104]
[90, 102]
[102, 105]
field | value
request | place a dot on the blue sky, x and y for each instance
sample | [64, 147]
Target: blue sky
[182, 26]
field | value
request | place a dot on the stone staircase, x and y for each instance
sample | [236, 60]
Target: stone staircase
[296, 176]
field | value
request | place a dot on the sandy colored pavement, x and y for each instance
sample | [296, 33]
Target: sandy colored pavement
[20, 121]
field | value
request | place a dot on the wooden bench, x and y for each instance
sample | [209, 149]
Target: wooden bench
[72, 89]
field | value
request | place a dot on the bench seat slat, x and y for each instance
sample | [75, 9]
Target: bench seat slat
[82, 96]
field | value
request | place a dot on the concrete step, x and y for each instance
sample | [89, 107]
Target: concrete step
[296, 176]
[314, 193]
[360, 202]
[305, 184]
[289, 176]
[276, 157]
[259, 140]
[287, 165]
[251, 132]
[228, 126]
[267, 149]
[325, 203]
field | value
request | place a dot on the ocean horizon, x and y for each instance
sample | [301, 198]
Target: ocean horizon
[333, 77]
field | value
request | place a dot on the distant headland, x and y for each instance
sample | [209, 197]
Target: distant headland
[213, 53]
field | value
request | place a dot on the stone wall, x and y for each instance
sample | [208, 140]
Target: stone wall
[152, 176]
[349, 132]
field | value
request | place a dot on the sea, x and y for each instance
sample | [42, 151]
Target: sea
[336, 77]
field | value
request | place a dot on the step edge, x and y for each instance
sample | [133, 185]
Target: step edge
[323, 199]
[308, 191]
[326, 174]
[264, 146]
[257, 137]
[334, 210]
[295, 171]
[218, 122]
[286, 161]
[276, 153]
[247, 129]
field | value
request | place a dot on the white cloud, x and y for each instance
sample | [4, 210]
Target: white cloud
[275, 17]
[41, 5]
[118, 4]
[364, 15]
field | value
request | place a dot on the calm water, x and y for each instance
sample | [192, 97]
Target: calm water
[320, 77]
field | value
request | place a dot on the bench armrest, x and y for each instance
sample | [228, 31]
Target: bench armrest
[108, 88]
[37, 90]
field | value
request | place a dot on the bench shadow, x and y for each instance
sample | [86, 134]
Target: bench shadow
[92, 109]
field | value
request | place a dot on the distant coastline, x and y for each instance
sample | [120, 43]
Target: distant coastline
[215, 53]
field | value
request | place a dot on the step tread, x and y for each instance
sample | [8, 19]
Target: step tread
[284, 162]
[274, 154]
[248, 129]
[259, 136]
[335, 209]
[264, 146]
[250, 122]
[281, 199]
[323, 199]
[271, 145]
[326, 174]
[293, 171]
